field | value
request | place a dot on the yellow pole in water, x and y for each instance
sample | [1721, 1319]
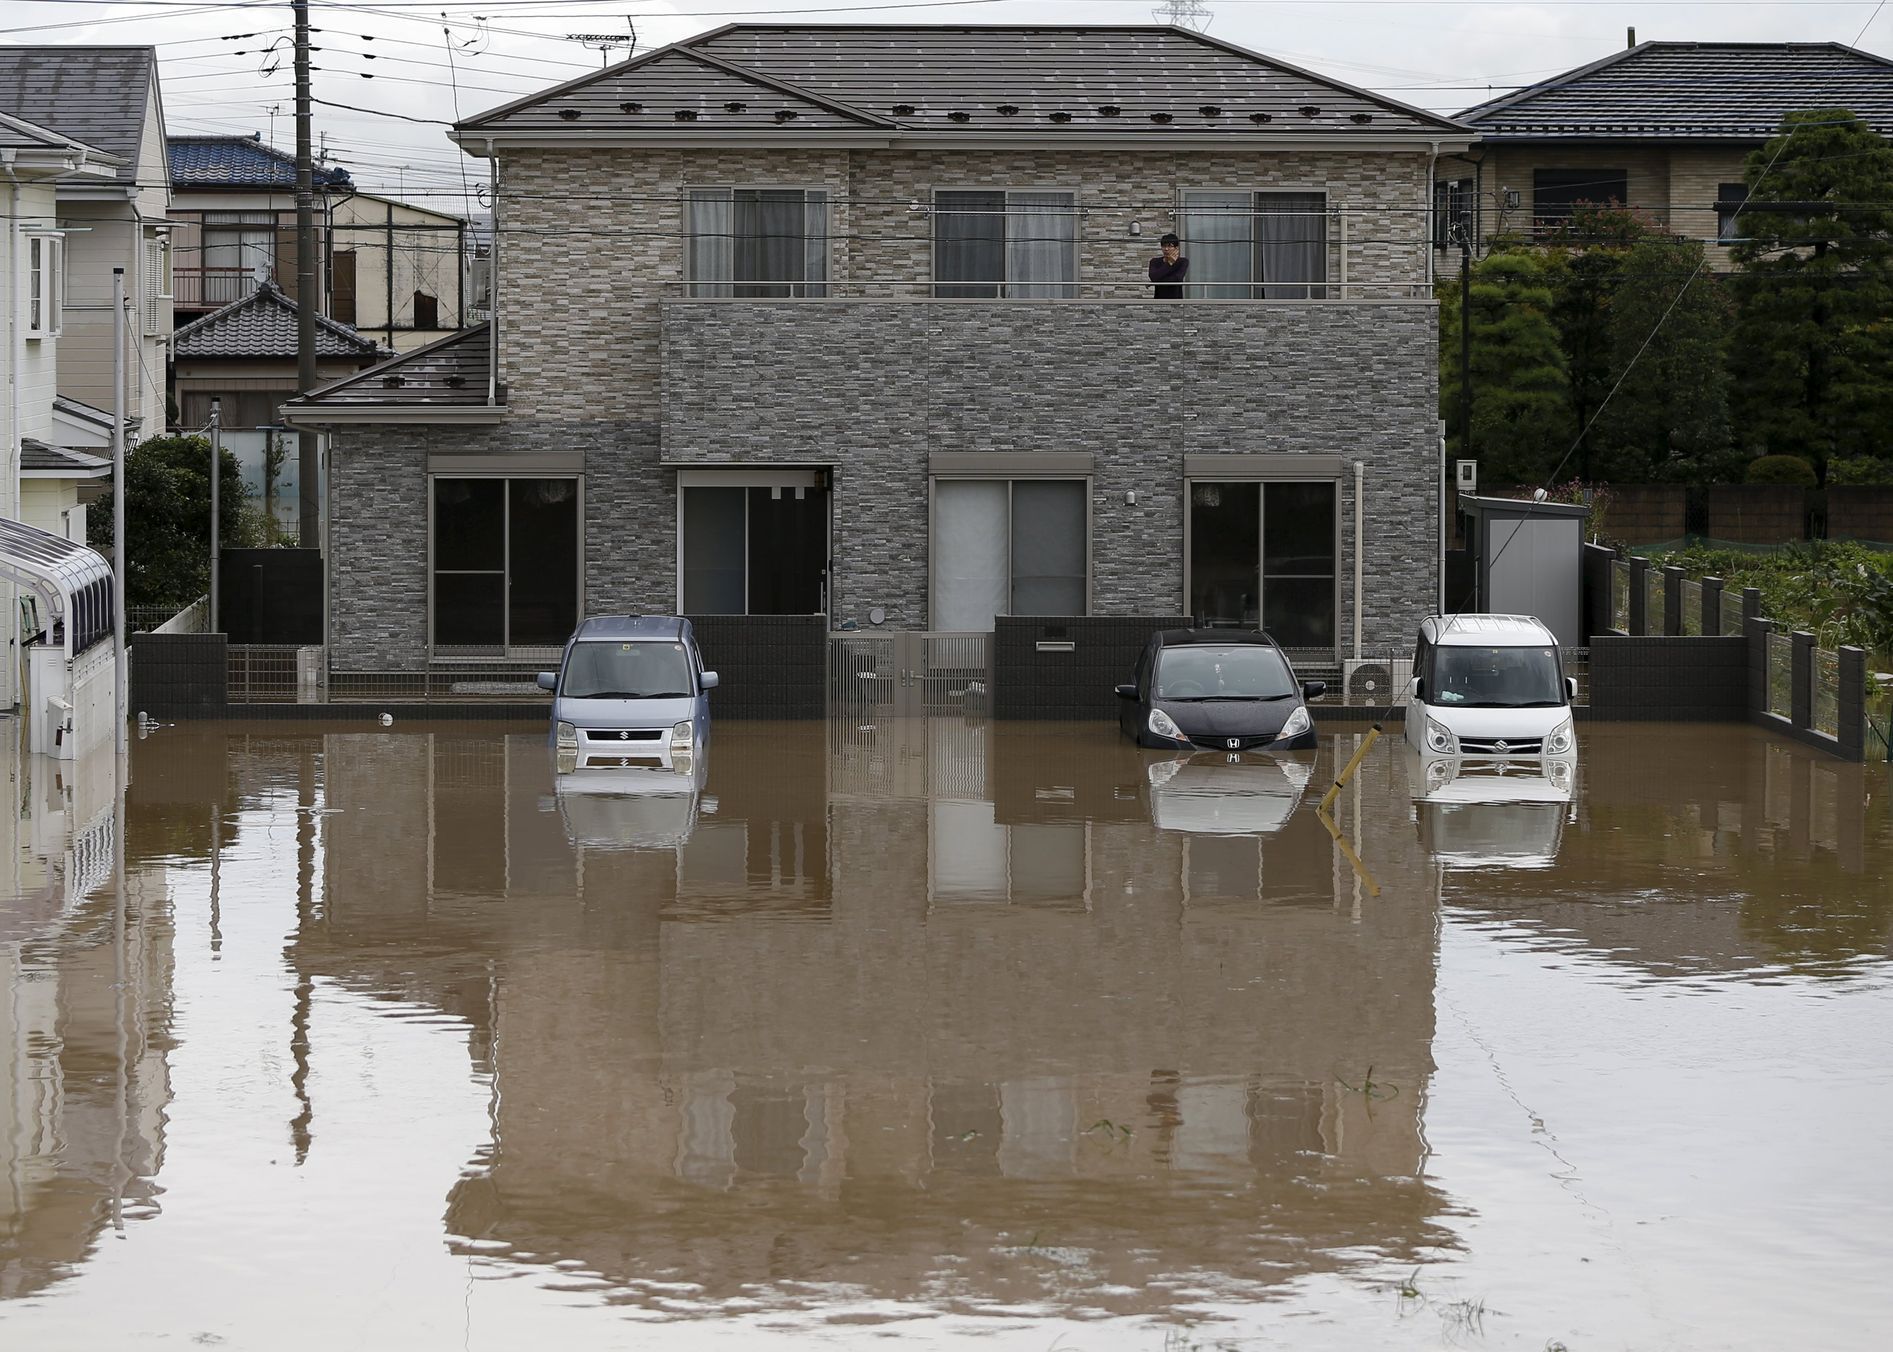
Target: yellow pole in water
[1347, 771]
[1373, 888]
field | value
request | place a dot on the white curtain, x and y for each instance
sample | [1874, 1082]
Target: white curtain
[969, 554]
[712, 241]
[1041, 245]
[1218, 235]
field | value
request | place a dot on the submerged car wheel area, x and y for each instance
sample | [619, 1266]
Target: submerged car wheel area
[1217, 690]
[630, 694]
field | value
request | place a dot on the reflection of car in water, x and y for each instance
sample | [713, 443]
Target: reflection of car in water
[1205, 796]
[631, 808]
[1472, 814]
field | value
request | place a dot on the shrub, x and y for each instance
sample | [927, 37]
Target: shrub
[1790, 470]
[1860, 469]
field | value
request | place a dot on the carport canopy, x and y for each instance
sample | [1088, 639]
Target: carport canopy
[73, 584]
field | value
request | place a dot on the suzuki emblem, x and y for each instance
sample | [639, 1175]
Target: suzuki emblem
[1501, 747]
[624, 736]
[1234, 742]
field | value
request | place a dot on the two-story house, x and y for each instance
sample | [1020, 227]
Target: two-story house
[856, 321]
[1665, 128]
[391, 269]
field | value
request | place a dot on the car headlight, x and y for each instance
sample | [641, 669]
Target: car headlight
[1561, 740]
[682, 738]
[1298, 722]
[565, 736]
[1165, 726]
[1439, 738]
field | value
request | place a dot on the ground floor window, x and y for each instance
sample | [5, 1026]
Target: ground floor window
[505, 563]
[1008, 547]
[749, 548]
[1262, 555]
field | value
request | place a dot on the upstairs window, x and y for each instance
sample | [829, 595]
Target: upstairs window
[239, 254]
[1730, 199]
[1452, 213]
[758, 242]
[1256, 245]
[989, 244]
[1556, 193]
[45, 285]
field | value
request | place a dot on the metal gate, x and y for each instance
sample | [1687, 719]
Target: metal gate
[873, 677]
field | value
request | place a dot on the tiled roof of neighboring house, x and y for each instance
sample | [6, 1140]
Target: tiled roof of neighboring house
[1727, 91]
[239, 162]
[263, 324]
[94, 94]
[60, 461]
[1010, 82]
[449, 373]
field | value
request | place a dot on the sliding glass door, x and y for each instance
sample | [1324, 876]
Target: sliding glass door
[505, 564]
[1007, 547]
[1263, 555]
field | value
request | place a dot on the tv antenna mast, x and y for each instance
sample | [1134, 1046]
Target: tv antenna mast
[605, 43]
[1191, 14]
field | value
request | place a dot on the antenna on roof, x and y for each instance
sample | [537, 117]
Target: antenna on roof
[1191, 14]
[604, 43]
[1630, 37]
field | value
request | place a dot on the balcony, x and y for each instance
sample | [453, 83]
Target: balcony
[212, 288]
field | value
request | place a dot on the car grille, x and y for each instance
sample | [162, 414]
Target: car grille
[623, 734]
[1211, 741]
[1501, 746]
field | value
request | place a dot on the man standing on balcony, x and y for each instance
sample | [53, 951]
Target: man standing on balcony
[1169, 269]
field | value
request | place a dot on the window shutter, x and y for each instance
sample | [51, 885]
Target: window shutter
[154, 288]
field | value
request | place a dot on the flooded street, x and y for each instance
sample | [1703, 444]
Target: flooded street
[981, 1035]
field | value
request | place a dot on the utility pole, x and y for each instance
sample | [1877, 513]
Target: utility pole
[308, 293]
[118, 524]
[1465, 342]
[216, 490]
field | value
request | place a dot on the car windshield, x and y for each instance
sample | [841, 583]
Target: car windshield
[638, 670]
[1217, 672]
[1495, 678]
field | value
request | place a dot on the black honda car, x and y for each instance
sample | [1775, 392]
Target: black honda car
[1217, 690]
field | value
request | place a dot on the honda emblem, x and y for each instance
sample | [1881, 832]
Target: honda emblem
[1233, 743]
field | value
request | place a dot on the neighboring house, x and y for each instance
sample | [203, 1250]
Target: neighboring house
[1663, 127]
[106, 97]
[383, 265]
[855, 321]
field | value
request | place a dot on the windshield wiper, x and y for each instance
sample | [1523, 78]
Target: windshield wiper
[630, 694]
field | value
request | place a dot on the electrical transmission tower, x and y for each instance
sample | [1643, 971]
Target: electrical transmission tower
[1191, 14]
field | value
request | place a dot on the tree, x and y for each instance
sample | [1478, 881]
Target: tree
[1814, 331]
[167, 519]
[1521, 410]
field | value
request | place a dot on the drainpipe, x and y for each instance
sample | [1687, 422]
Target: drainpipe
[16, 339]
[1360, 548]
[493, 289]
[1432, 208]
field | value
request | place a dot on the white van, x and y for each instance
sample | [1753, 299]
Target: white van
[1490, 687]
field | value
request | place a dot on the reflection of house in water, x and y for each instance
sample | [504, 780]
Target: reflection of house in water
[900, 1008]
[1783, 832]
[84, 1023]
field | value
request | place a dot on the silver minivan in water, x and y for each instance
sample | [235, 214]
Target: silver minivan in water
[630, 693]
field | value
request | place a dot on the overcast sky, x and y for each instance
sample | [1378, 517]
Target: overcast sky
[222, 74]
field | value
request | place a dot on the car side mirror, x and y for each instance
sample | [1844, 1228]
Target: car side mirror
[1419, 688]
[1571, 689]
[1313, 689]
[707, 681]
[1127, 692]
[548, 680]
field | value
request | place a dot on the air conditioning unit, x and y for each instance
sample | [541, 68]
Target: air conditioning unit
[1378, 680]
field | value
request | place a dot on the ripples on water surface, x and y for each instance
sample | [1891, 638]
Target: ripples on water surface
[1012, 1036]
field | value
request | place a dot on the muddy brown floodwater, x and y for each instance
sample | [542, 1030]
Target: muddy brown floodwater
[1003, 1036]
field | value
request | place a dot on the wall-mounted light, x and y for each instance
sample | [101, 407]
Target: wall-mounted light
[1137, 227]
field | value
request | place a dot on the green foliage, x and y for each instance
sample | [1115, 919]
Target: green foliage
[1841, 592]
[1860, 469]
[1789, 470]
[1814, 331]
[1521, 415]
[167, 519]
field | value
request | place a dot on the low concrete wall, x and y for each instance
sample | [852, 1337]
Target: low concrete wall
[1031, 680]
[178, 676]
[767, 666]
[1669, 680]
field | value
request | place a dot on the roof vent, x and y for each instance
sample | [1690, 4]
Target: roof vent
[1108, 110]
[903, 110]
[1210, 110]
[456, 382]
[686, 114]
[1007, 109]
[394, 382]
[786, 114]
[734, 106]
[1161, 117]
[1361, 119]
[1259, 118]
[958, 116]
[1311, 110]
[1061, 117]
[569, 114]
[631, 107]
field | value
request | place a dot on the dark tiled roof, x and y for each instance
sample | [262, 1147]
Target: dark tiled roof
[914, 79]
[451, 372]
[35, 454]
[238, 162]
[16, 133]
[263, 324]
[92, 94]
[1732, 91]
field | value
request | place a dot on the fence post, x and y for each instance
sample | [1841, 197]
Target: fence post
[1757, 631]
[1672, 601]
[1851, 727]
[1712, 607]
[1751, 604]
[1639, 596]
[1803, 705]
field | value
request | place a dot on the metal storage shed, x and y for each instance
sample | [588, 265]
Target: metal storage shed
[1527, 559]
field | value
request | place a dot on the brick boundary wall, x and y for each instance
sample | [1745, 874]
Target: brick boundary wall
[1079, 684]
[767, 666]
[178, 676]
[1657, 679]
